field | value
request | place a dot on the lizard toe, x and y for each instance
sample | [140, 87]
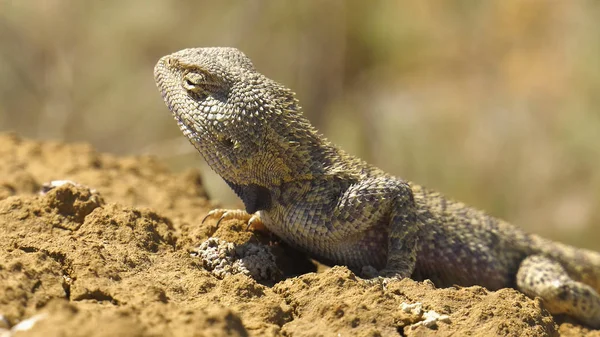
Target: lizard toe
[252, 220]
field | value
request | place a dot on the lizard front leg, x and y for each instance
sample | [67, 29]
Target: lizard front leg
[401, 225]
[369, 225]
[403, 238]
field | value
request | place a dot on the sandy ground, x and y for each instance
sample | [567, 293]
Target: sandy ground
[117, 255]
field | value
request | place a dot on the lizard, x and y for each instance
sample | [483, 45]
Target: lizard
[341, 210]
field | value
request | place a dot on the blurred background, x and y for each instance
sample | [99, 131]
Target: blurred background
[495, 103]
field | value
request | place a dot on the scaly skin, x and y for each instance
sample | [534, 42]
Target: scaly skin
[342, 210]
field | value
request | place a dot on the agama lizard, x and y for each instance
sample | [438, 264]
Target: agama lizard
[341, 210]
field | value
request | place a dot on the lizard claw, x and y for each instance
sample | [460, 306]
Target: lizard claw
[252, 220]
[255, 222]
[382, 277]
[209, 215]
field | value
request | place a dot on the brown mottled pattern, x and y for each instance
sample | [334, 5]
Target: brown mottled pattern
[341, 210]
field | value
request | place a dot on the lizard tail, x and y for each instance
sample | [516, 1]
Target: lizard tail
[583, 265]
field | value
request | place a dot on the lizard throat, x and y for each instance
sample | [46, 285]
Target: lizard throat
[255, 198]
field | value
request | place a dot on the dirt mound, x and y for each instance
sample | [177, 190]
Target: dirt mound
[115, 253]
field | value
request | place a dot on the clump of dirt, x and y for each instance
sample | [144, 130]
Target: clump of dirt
[113, 254]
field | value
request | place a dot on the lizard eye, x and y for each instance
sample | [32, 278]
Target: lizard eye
[194, 83]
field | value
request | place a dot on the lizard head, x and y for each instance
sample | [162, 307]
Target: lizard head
[247, 127]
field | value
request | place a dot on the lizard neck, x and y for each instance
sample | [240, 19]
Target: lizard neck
[307, 153]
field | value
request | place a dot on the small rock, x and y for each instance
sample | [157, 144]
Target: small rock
[429, 319]
[224, 258]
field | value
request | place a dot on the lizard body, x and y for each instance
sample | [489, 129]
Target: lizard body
[341, 210]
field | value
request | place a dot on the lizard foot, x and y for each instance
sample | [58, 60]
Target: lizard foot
[370, 272]
[252, 220]
[374, 277]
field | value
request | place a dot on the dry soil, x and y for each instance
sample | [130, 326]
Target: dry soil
[113, 255]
